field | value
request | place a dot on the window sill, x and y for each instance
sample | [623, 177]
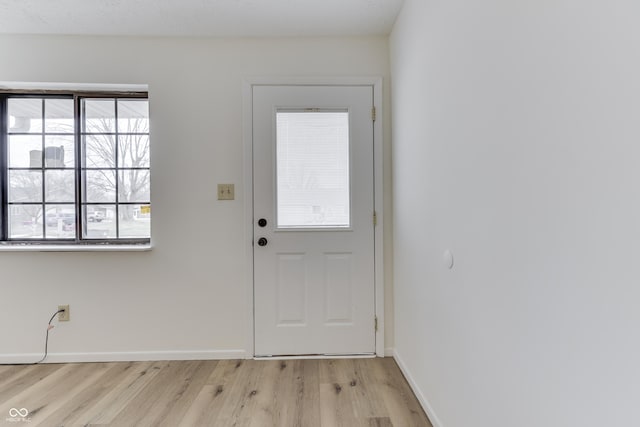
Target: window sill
[74, 248]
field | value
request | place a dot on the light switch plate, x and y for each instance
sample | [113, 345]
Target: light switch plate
[226, 192]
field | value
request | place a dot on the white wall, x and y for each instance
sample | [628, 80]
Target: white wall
[516, 145]
[189, 294]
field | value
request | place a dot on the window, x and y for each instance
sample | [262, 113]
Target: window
[312, 161]
[74, 168]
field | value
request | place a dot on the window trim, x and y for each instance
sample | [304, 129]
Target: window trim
[57, 244]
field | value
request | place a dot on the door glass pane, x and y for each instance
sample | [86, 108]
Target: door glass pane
[312, 152]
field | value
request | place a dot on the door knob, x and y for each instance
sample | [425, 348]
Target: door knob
[262, 222]
[262, 241]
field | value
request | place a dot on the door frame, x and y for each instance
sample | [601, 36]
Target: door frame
[247, 138]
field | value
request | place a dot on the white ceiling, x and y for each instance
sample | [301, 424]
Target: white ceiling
[225, 18]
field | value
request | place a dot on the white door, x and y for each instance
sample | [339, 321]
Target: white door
[313, 230]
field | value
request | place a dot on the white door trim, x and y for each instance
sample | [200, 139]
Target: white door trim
[247, 137]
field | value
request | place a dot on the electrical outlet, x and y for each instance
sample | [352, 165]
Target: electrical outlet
[65, 315]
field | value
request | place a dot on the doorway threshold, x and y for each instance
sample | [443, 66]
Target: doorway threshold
[316, 356]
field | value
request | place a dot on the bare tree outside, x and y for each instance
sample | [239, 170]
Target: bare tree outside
[132, 171]
[117, 163]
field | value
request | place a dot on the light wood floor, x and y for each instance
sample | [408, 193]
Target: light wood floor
[225, 393]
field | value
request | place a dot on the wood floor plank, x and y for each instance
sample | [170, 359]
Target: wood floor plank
[333, 371]
[73, 390]
[73, 409]
[380, 422]
[240, 402]
[43, 398]
[208, 404]
[197, 414]
[369, 404]
[308, 413]
[297, 394]
[337, 398]
[403, 406]
[23, 378]
[226, 393]
[110, 405]
[8, 372]
[35, 385]
[168, 389]
[176, 407]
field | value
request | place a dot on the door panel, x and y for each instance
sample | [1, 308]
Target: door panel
[291, 289]
[313, 185]
[338, 288]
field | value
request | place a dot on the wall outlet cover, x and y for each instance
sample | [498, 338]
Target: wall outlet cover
[64, 316]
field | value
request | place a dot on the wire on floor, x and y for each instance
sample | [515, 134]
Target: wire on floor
[46, 343]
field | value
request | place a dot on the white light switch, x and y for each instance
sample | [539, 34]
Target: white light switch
[226, 192]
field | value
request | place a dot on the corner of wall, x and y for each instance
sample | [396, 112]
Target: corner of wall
[424, 402]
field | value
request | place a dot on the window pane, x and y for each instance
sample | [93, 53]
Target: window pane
[25, 186]
[133, 151]
[60, 186]
[313, 187]
[99, 151]
[25, 151]
[59, 152]
[135, 221]
[58, 116]
[133, 116]
[25, 221]
[133, 185]
[100, 186]
[100, 115]
[60, 222]
[100, 222]
[25, 115]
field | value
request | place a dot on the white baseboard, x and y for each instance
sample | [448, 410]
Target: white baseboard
[416, 390]
[389, 352]
[133, 356]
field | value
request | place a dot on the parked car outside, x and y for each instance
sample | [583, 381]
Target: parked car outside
[68, 219]
[95, 216]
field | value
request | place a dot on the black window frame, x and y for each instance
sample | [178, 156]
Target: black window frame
[79, 205]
